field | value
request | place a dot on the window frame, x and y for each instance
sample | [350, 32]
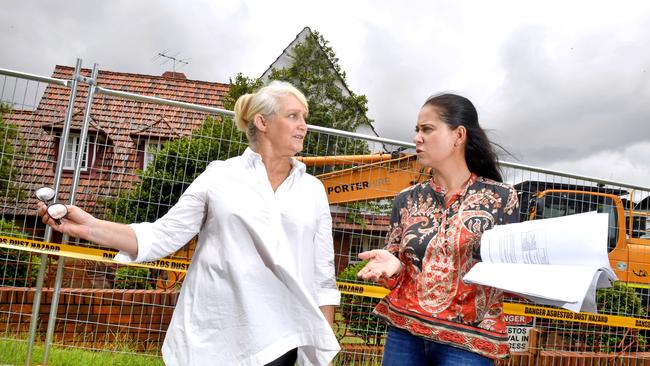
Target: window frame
[147, 156]
[72, 147]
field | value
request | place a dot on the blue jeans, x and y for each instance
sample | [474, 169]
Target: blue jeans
[404, 349]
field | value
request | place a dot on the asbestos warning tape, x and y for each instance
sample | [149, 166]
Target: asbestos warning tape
[78, 252]
[521, 309]
[566, 315]
[73, 251]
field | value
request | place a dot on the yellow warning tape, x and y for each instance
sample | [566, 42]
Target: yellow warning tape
[559, 314]
[362, 290]
[520, 309]
[639, 285]
[73, 251]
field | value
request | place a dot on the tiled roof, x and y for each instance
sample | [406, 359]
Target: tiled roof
[116, 123]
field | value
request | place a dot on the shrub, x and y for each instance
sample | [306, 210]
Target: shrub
[619, 299]
[138, 278]
[357, 310]
[17, 267]
[623, 300]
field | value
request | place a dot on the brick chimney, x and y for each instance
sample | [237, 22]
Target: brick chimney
[174, 75]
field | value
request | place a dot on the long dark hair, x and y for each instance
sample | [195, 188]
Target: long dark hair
[456, 111]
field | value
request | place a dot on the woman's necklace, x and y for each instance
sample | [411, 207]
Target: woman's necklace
[451, 193]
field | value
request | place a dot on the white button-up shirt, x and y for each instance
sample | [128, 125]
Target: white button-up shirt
[263, 265]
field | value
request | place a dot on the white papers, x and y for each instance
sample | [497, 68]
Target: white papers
[559, 261]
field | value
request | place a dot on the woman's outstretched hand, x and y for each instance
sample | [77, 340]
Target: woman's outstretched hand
[381, 264]
[76, 223]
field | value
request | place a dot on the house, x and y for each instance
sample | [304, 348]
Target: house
[121, 134]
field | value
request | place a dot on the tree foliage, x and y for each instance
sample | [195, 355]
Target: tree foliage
[11, 147]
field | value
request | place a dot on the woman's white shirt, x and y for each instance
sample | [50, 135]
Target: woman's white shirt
[263, 265]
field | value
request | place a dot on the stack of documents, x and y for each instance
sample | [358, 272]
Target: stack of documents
[558, 261]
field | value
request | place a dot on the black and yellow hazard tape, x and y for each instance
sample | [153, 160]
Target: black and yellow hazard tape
[566, 315]
[78, 252]
[377, 292]
[521, 309]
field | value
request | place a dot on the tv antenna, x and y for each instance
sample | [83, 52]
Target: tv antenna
[174, 59]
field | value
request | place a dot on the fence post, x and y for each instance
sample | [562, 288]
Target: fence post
[48, 231]
[73, 191]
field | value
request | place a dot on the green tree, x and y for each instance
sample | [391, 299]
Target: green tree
[173, 169]
[238, 87]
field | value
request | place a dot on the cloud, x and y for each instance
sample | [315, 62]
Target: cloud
[572, 98]
[629, 164]
[555, 82]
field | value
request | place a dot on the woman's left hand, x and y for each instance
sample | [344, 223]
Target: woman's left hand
[381, 264]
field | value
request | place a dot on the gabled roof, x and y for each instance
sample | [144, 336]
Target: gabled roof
[161, 128]
[284, 59]
[286, 54]
[120, 121]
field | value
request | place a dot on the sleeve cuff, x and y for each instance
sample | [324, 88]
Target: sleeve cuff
[328, 297]
[144, 237]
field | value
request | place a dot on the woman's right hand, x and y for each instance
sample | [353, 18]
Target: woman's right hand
[76, 223]
[382, 264]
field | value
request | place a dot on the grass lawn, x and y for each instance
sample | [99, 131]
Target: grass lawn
[13, 352]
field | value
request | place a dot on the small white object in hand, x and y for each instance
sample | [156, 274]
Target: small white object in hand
[45, 194]
[57, 211]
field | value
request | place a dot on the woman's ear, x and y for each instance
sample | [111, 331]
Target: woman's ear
[461, 135]
[260, 122]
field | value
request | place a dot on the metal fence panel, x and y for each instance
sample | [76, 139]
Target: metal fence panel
[142, 154]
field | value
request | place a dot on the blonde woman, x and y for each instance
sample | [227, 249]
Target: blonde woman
[261, 287]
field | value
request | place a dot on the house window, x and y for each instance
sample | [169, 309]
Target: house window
[362, 243]
[71, 151]
[151, 147]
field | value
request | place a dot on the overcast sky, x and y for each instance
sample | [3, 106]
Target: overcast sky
[562, 84]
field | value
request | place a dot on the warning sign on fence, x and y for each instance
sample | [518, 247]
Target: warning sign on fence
[519, 327]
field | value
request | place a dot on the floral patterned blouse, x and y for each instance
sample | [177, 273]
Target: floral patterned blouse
[438, 243]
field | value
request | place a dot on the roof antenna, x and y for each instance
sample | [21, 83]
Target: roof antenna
[174, 59]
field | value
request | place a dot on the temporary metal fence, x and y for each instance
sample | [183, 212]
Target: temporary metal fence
[125, 156]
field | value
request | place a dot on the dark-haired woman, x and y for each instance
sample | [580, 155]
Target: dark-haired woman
[434, 317]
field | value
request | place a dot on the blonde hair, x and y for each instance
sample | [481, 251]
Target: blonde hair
[265, 102]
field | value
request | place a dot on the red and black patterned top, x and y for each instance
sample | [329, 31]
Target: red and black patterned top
[438, 243]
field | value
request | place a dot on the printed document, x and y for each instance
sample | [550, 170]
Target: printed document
[558, 261]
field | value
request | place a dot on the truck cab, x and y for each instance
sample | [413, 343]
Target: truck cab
[628, 242]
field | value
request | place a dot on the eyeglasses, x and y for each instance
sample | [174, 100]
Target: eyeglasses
[57, 211]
